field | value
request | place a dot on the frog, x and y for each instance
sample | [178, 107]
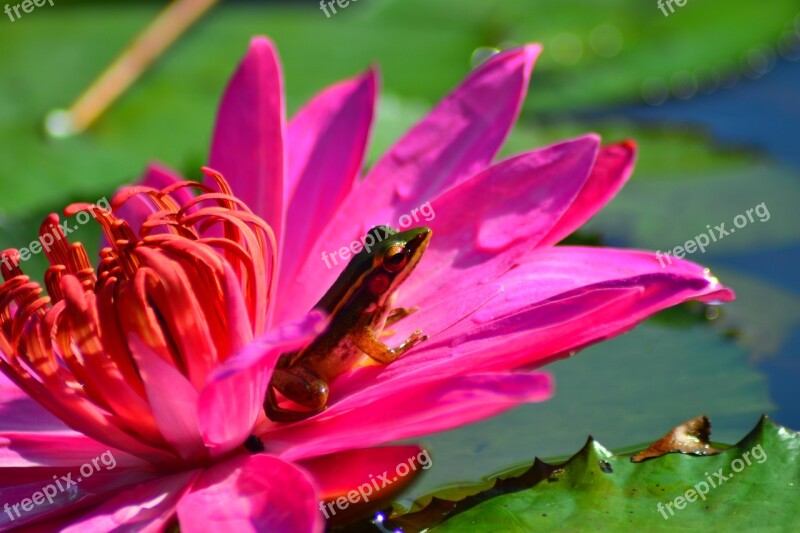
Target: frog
[359, 307]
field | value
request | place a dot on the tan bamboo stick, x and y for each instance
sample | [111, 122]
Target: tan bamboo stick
[127, 67]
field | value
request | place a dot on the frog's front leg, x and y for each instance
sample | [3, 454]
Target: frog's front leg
[373, 347]
[302, 387]
[399, 313]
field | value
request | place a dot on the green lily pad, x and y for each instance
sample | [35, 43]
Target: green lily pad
[168, 114]
[623, 391]
[596, 55]
[53, 54]
[752, 485]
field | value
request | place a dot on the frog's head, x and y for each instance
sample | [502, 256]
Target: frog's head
[394, 258]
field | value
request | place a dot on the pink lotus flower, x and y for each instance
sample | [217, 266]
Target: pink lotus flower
[163, 355]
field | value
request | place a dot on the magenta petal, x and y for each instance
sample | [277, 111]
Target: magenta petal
[612, 169]
[19, 412]
[175, 413]
[328, 138]
[86, 418]
[461, 135]
[247, 147]
[339, 473]
[458, 138]
[382, 414]
[255, 493]
[28, 449]
[233, 398]
[559, 299]
[147, 507]
[484, 224]
[327, 143]
[66, 507]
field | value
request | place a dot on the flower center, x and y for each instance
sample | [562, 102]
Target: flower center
[168, 303]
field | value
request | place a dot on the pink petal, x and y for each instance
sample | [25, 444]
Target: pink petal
[176, 412]
[53, 449]
[85, 417]
[483, 225]
[247, 146]
[8, 390]
[339, 473]
[327, 142]
[234, 396]
[253, 493]
[19, 412]
[382, 414]
[147, 507]
[367, 478]
[611, 171]
[559, 299]
[458, 138]
[65, 502]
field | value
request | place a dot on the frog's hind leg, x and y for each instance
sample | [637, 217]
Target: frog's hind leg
[299, 386]
[278, 414]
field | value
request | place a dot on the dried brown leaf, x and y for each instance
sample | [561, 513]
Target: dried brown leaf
[691, 437]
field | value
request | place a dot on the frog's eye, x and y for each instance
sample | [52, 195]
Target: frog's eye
[395, 258]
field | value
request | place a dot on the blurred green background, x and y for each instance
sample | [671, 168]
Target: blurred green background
[710, 94]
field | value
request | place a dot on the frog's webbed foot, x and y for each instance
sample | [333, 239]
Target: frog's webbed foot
[300, 386]
[370, 345]
[414, 339]
[399, 313]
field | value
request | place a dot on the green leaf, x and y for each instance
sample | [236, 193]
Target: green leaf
[601, 491]
[623, 391]
[422, 47]
[168, 114]
[595, 55]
